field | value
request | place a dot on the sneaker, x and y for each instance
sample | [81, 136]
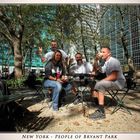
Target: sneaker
[77, 100]
[55, 108]
[97, 115]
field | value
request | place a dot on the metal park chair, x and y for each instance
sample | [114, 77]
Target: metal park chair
[118, 97]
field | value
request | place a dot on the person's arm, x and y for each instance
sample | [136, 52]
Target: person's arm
[61, 79]
[114, 68]
[43, 59]
[96, 66]
[64, 55]
[89, 67]
[52, 78]
[112, 77]
[48, 72]
[73, 68]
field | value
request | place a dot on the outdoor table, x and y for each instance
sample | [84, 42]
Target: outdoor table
[82, 81]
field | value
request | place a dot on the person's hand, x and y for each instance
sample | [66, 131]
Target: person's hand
[43, 59]
[93, 73]
[59, 80]
[98, 56]
[64, 78]
[40, 49]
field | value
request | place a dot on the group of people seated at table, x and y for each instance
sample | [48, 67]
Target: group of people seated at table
[56, 75]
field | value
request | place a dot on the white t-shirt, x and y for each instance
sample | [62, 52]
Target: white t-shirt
[114, 65]
[84, 68]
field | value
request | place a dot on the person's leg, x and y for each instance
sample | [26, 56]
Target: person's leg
[77, 98]
[101, 101]
[94, 94]
[74, 88]
[99, 91]
[100, 112]
[66, 88]
[56, 93]
[94, 97]
[57, 87]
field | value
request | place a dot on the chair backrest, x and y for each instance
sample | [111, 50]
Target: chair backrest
[31, 80]
[130, 83]
[4, 88]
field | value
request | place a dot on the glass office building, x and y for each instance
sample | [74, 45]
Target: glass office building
[88, 28]
[32, 59]
[122, 20]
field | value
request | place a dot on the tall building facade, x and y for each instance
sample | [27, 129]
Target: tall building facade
[121, 25]
[90, 27]
[87, 29]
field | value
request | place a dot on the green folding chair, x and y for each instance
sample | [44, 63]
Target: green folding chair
[119, 99]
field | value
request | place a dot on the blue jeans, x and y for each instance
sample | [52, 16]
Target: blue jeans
[57, 87]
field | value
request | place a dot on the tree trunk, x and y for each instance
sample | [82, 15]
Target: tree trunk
[62, 38]
[17, 58]
[83, 42]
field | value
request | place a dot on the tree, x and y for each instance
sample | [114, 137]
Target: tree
[19, 24]
[64, 23]
[89, 21]
[98, 12]
[13, 31]
[122, 10]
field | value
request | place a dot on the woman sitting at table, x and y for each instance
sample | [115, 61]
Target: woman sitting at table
[55, 78]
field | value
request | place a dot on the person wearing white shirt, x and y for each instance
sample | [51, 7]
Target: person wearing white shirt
[81, 67]
[114, 80]
[49, 55]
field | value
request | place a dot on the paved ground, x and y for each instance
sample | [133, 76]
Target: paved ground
[74, 118]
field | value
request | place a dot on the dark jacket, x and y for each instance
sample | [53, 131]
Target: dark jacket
[51, 69]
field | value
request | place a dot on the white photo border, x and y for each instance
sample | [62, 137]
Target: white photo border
[66, 136]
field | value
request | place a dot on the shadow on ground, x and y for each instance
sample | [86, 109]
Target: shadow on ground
[15, 117]
[33, 123]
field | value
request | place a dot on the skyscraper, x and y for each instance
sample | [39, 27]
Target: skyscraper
[121, 24]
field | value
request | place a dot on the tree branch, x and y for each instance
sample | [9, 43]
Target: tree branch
[6, 21]
[6, 36]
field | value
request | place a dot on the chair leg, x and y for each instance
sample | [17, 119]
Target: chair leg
[40, 92]
[119, 101]
[121, 106]
[112, 94]
[48, 97]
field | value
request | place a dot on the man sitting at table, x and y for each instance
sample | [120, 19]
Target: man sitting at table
[80, 67]
[114, 80]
